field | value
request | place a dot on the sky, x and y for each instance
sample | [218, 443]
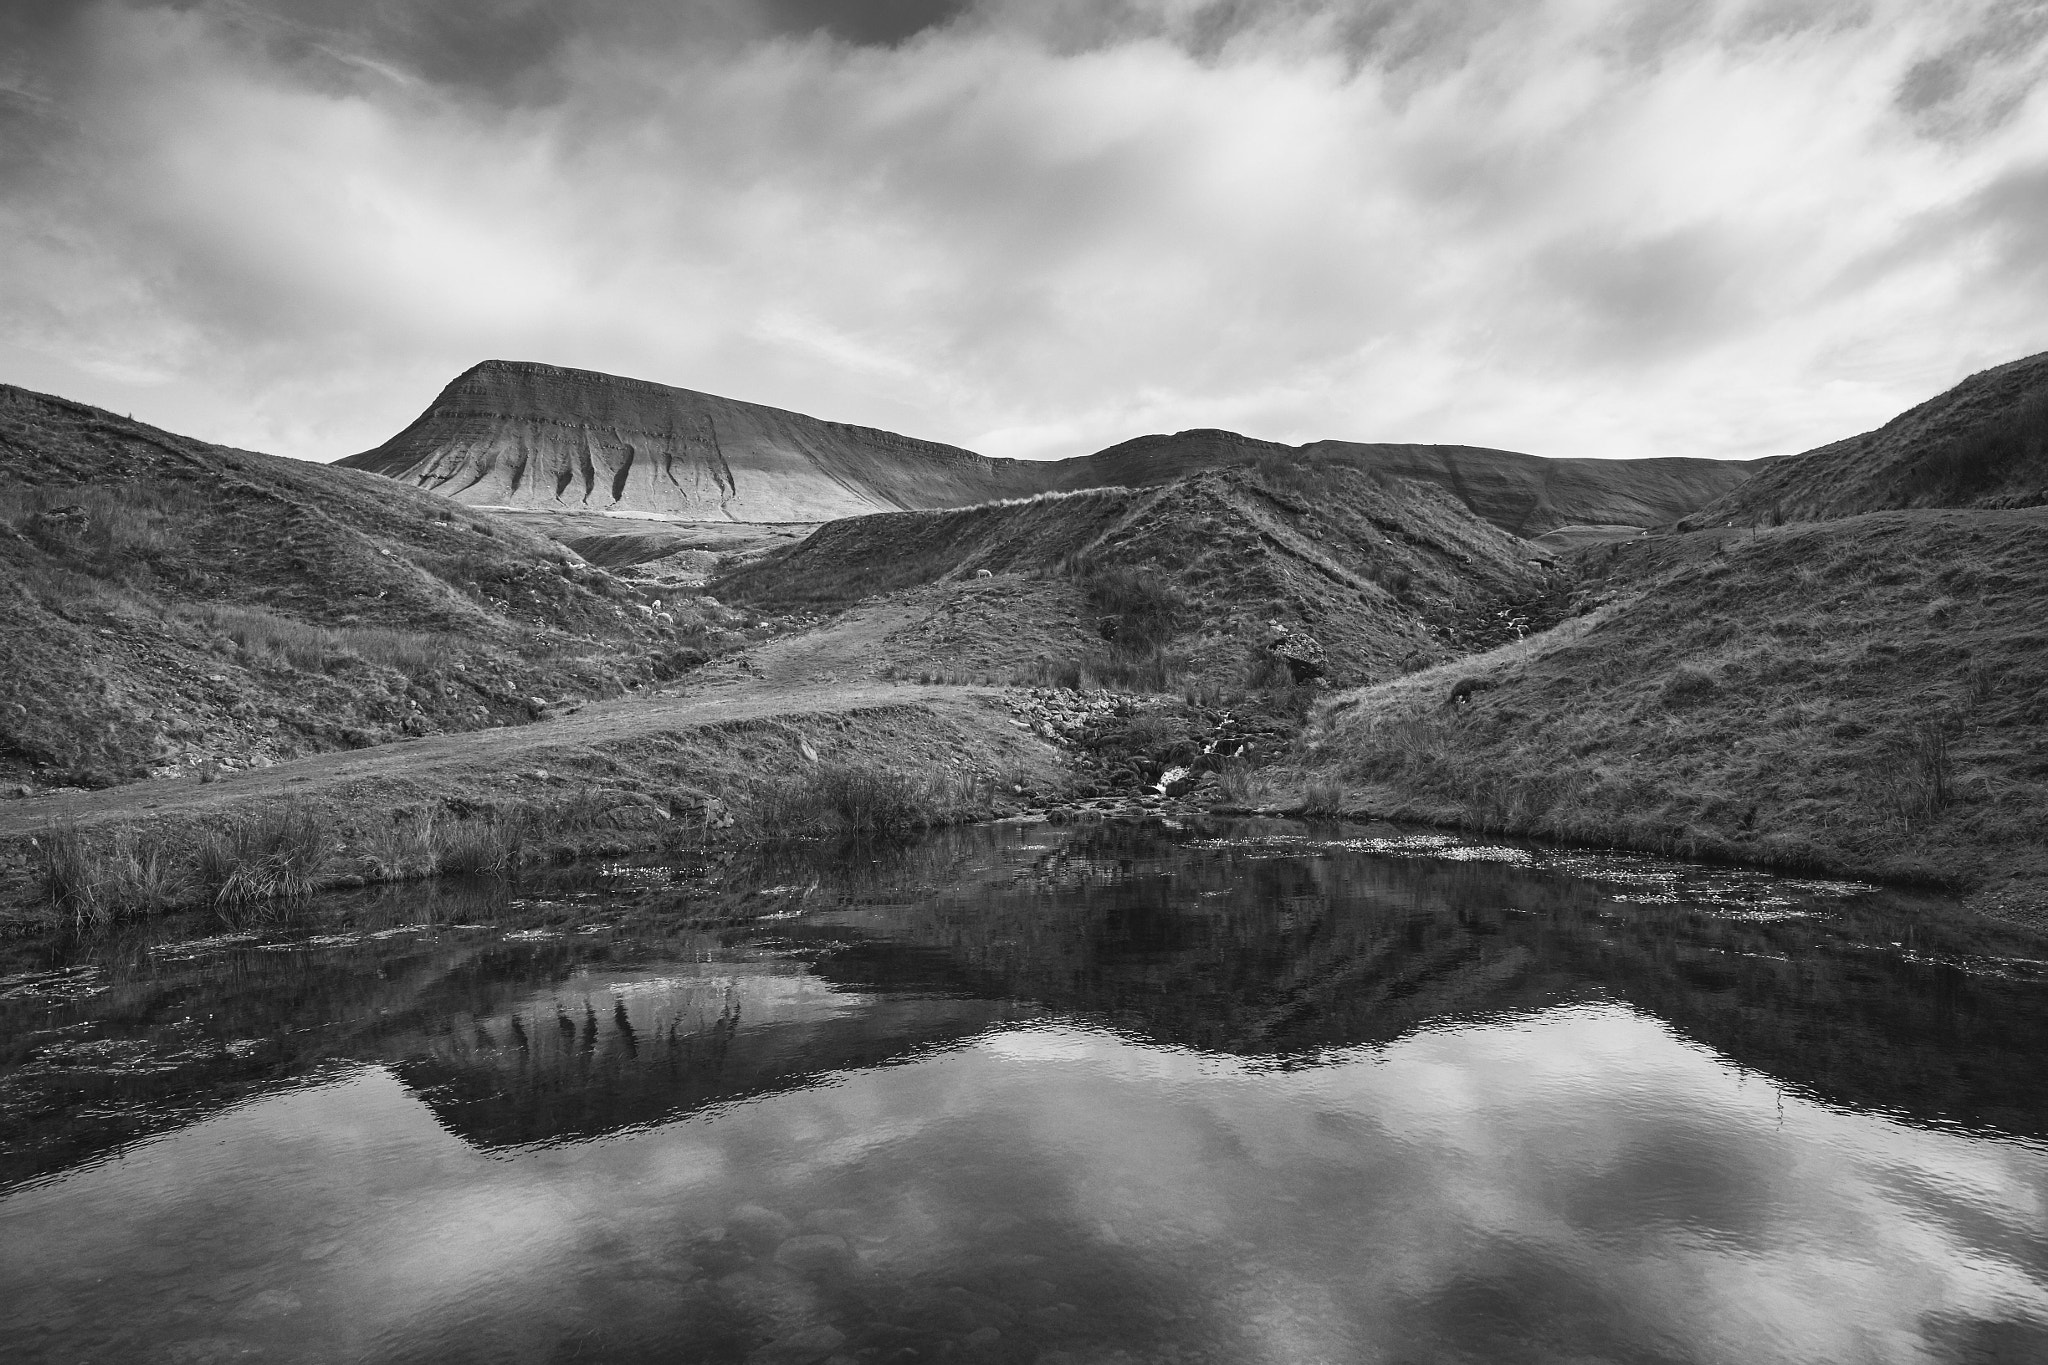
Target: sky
[1609, 228]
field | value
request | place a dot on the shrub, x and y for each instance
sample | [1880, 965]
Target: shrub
[275, 857]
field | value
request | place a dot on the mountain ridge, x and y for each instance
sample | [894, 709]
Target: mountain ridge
[530, 436]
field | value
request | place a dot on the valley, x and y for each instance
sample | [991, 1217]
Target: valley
[575, 615]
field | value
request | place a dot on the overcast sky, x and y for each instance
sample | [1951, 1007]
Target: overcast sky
[1033, 227]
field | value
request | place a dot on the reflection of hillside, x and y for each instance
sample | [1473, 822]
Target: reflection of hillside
[561, 1034]
[1241, 951]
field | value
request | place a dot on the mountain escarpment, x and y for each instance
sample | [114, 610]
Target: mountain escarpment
[540, 437]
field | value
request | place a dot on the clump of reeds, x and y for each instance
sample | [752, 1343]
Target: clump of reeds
[1237, 784]
[1322, 796]
[408, 847]
[489, 847]
[274, 858]
[91, 885]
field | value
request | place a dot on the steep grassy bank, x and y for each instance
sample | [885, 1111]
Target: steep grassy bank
[814, 766]
[1867, 697]
[168, 605]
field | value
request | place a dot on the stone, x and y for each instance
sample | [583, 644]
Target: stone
[1302, 654]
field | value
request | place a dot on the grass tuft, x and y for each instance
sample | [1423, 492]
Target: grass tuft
[275, 858]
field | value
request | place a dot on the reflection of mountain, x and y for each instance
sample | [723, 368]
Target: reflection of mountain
[1274, 952]
[614, 1049]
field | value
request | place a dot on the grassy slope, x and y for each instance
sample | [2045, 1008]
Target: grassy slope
[1983, 443]
[1384, 573]
[1779, 697]
[210, 605]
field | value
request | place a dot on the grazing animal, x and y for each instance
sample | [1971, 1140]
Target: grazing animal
[983, 573]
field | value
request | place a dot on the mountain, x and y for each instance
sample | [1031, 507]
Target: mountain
[521, 435]
[1524, 495]
[167, 605]
[514, 434]
[1983, 443]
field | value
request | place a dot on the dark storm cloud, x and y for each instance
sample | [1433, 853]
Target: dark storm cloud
[1034, 226]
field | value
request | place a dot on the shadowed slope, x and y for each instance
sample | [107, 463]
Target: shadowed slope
[168, 604]
[1984, 443]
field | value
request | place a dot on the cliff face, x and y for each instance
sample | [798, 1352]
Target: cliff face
[1983, 443]
[510, 434]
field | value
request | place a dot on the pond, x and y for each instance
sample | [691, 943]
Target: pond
[1226, 1092]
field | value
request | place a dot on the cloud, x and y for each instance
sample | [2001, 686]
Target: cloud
[1577, 227]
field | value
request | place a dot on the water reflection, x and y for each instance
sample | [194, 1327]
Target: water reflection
[1032, 1094]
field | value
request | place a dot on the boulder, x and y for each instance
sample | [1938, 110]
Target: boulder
[1302, 653]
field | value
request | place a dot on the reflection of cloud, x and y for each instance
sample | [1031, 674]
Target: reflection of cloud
[1613, 228]
[1583, 1178]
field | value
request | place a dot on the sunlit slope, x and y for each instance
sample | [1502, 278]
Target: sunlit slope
[1866, 695]
[513, 434]
[1983, 443]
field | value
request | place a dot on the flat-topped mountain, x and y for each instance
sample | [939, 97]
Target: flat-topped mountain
[514, 434]
[1983, 443]
[521, 435]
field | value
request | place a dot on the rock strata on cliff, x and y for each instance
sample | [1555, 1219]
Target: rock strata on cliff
[511, 434]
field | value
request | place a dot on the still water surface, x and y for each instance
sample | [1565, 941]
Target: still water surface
[1025, 1094]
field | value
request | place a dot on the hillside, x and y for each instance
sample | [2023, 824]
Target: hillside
[1983, 443]
[514, 434]
[1868, 696]
[543, 438]
[1524, 495]
[1383, 573]
[173, 606]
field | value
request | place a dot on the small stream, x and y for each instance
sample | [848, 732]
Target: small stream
[1221, 1092]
